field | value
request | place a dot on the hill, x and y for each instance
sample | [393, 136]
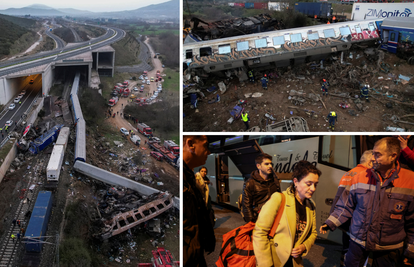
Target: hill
[9, 34]
[22, 22]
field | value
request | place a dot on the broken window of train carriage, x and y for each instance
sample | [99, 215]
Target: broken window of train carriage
[296, 38]
[313, 36]
[260, 43]
[242, 46]
[188, 53]
[278, 40]
[345, 31]
[224, 49]
[329, 33]
[205, 51]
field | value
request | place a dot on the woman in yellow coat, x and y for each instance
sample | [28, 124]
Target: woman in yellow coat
[296, 232]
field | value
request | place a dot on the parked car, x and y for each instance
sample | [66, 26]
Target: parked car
[148, 82]
[124, 131]
[16, 100]
[23, 92]
[157, 155]
[135, 89]
[31, 81]
[9, 123]
[152, 79]
[20, 95]
[12, 106]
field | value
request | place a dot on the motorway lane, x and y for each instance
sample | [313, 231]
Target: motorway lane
[119, 34]
[59, 42]
[32, 90]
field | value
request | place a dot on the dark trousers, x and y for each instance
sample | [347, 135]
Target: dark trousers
[345, 247]
[247, 125]
[357, 256]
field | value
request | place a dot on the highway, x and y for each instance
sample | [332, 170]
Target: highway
[59, 42]
[112, 35]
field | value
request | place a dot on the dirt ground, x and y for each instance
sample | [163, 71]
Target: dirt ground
[306, 80]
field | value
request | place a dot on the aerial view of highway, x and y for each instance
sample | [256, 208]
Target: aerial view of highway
[89, 169]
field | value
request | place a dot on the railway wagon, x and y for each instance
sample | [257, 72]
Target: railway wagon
[36, 230]
[63, 137]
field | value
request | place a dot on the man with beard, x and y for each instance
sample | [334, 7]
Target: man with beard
[259, 187]
[381, 209]
[198, 232]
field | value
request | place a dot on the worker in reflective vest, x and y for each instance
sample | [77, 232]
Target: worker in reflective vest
[264, 80]
[332, 117]
[251, 76]
[246, 119]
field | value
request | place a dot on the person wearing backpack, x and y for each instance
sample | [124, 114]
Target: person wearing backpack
[259, 187]
[297, 225]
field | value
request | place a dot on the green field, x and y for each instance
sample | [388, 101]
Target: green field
[153, 30]
[173, 83]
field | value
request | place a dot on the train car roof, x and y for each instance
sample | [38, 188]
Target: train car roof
[400, 22]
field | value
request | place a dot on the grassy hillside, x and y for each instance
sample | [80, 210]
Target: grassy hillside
[9, 34]
[127, 51]
[22, 22]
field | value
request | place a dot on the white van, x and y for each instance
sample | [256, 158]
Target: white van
[135, 139]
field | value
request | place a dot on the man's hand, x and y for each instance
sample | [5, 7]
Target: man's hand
[296, 252]
[403, 141]
[407, 261]
[324, 229]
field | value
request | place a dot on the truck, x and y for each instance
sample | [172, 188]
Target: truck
[319, 10]
[55, 163]
[161, 258]
[44, 140]
[125, 84]
[125, 93]
[144, 129]
[135, 139]
[169, 157]
[112, 102]
[397, 36]
[36, 229]
[365, 11]
[172, 147]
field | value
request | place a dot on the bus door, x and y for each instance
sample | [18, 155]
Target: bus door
[233, 167]
[393, 42]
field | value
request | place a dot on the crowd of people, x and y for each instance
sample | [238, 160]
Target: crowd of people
[374, 207]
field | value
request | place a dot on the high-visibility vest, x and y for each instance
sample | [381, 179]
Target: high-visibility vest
[333, 114]
[245, 117]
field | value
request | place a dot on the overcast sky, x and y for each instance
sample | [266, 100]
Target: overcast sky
[94, 5]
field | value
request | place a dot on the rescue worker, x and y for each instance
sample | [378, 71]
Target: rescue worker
[6, 129]
[264, 80]
[324, 87]
[364, 92]
[13, 237]
[20, 102]
[246, 119]
[332, 117]
[251, 77]
[381, 210]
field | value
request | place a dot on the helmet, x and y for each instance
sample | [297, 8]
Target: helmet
[324, 80]
[265, 75]
[367, 85]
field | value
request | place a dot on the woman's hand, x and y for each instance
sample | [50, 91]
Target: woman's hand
[296, 252]
[324, 229]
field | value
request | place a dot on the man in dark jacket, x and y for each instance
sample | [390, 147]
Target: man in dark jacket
[198, 233]
[380, 206]
[259, 187]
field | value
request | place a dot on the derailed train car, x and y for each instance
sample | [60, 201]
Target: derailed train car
[278, 48]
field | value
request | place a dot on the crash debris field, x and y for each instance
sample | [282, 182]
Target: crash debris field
[295, 92]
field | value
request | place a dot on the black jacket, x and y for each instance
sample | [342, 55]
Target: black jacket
[198, 233]
[256, 192]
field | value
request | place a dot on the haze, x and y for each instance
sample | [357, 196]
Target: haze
[93, 6]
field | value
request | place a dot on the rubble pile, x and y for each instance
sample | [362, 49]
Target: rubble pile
[295, 91]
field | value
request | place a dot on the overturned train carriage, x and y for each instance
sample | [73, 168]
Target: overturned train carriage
[278, 48]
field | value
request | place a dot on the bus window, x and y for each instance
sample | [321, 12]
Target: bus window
[188, 53]
[224, 49]
[260, 43]
[296, 38]
[329, 33]
[205, 52]
[242, 46]
[339, 150]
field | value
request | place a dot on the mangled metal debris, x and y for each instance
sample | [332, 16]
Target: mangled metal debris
[112, 222]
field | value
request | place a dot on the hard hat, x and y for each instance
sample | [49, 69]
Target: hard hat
[324, 80]
[368, 86]
[265, 75]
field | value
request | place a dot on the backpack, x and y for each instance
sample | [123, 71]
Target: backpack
[237, 248]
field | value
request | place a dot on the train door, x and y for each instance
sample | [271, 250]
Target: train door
[393, 42]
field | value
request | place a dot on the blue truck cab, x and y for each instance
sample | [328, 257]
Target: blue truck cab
[397, 36]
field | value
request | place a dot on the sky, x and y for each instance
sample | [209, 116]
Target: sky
[100, 6]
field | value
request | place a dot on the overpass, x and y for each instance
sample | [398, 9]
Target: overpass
[96, 54]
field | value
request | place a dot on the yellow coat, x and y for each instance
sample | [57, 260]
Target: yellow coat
[276, 252]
